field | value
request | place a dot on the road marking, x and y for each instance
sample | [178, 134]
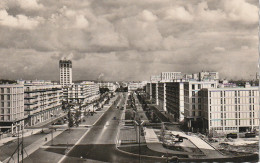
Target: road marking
[64, 156]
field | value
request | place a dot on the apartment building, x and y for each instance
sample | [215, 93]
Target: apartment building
[92, 90]
[170, 76]
[192, 101]
[229, 110]
[154, 91]
[162, 96]
[75, 93]
[41, 102]
[206, 75]
[175, 100]
[65, 72]
[149, 90]
[11, 108]
[111, 86]
[133, 86]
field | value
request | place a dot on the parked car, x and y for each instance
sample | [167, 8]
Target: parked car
[232, 135]
[250, 135]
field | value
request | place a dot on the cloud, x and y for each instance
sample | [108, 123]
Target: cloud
[30, 4]
[240, 11]
[19, 21]
[178, 13]
[127, 40]
[219, 49]
[148, 16]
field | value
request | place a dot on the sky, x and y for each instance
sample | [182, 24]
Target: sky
[123, 40]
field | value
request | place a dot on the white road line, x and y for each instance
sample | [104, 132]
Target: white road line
[80, 139]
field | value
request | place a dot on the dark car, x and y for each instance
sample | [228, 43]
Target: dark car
[250, 135]
[232, 135]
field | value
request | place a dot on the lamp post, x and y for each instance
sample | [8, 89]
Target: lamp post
[139, 124]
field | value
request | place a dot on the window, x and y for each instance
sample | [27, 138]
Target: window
[199, 86]
[8, 104]
[236, 115]
[224, 93]
[2, 97]
[2, 104]
[249, 93]
[193, 107]
[235, 107]
[193, 113]
[199, 106]
[235, 93]
[8, 110]
[193, 86]
[193, 100]
[8, 97]
[193, 93]
[238, 93]
[221, 115]
[221, 108]
[199, 100]
[8, 90]
[2, 111]
[2, 90]
[212, 85]
[210, 115]
[199, 113]
[250, 107]
[221, 94]
[210, 108]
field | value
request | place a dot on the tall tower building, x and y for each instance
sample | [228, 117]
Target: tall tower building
[65, 72]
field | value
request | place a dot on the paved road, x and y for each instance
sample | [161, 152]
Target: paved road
[99, 143]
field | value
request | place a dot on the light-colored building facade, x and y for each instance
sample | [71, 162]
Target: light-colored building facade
[162, 96]
[41, 102]
[230, 110]
[133, 86]
[170, 76]
[111, 86]
[65, 72]
[11, 108]
[206, 75]
[192, 101]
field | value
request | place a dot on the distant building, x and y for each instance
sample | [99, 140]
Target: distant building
[155, 78]
[133, 86]
[170, 76]
[209, 76]
[109, 85]
[65, 72]
[230, 110]
[12, 108]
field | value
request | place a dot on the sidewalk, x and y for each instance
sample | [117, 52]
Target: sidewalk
[208, 150]
[27, 132]
[33, 147]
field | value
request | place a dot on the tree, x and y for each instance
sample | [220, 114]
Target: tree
[70, 119]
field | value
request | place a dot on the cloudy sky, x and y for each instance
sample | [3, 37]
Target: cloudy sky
[128, 39]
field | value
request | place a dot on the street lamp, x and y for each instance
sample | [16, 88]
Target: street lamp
[139, 124]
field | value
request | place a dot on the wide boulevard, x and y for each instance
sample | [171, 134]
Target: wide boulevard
[97, 144]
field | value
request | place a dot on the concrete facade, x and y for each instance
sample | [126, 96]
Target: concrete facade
[11, 108]
[65, 72]
[229, 110]
[41, 102]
